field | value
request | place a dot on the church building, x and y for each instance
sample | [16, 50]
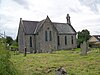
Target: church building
[45, 35]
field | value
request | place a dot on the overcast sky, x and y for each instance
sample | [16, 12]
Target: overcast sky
[85, 14]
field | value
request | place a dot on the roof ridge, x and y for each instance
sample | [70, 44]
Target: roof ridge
[59, 23]
[30, 21]
[42, 20]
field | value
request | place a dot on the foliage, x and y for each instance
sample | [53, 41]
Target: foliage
[84, 35]
[46, 64]
[14, 44]
[9, 40]
[6, 66]
[2, 40]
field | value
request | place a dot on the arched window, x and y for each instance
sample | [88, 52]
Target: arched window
[30, 41]
[46, 36]
[65, 40]
[58, 40]
[50, 36]
[72, 39]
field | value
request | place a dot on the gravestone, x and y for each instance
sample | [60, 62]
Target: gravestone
[25, 51]
[61, 71]
[84, 48]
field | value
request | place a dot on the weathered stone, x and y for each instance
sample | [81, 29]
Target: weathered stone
[61, 71]
[31, 34]
[84, 48]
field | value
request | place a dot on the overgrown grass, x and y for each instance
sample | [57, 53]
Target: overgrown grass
[46, 64]
[6, 66]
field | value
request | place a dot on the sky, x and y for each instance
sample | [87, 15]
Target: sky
[85, 14]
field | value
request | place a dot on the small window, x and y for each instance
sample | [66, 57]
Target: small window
[65, 40]
[72, 39]
[30, 41]
[50, 36]
[46, 36]
[58, 40]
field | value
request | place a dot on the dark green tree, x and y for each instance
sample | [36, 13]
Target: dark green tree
[84, 35]
[9, 40]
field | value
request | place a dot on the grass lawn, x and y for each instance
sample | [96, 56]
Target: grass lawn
[46, 63]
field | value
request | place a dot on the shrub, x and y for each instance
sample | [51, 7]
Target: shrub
[6, 66]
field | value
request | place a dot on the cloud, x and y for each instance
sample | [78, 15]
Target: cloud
[23, 3]
[8, 24]
[93, 4]
[75, 10]
[83, 13]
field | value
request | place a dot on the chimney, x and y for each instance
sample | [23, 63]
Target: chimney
[20, 19]
[68, 19]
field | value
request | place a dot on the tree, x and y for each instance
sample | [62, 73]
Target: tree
[9, 40]
[84, 35]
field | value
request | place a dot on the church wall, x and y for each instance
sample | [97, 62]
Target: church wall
[21, 39]
[69, 44]
[27, 43]
[42, 44]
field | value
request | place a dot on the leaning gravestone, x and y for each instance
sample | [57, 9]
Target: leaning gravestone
[61, 71]
[84, 48]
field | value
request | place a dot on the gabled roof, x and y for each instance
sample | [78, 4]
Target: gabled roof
[39, 26]
[97, 37]
[32, 27]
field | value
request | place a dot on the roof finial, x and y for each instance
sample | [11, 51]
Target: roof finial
[20, 19]
[47, 16]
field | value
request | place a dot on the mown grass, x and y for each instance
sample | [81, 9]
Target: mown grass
[46, 64]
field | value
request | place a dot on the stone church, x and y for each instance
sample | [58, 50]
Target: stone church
[45, 35]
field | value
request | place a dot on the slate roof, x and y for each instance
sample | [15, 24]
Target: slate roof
[31, 27]
[63, 28]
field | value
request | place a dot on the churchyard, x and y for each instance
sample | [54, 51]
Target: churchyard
[79, 61]
[47, 63]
